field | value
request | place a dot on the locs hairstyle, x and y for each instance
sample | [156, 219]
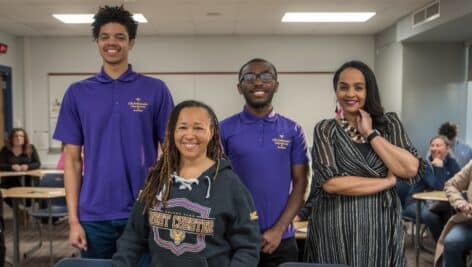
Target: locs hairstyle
[115, 14]
[372, 104]
[159, 177]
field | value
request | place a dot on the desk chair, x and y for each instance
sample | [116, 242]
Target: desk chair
[403, 190]
[82, 262]
[58, 208]
[304, 264]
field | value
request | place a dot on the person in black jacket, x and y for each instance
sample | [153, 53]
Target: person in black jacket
[17, 155]
[193, 210]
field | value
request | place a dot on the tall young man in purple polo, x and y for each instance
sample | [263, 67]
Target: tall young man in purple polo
[268, 151]
[119, 116]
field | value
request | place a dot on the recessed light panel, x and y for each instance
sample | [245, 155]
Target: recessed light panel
[327, 16]
[88, 18]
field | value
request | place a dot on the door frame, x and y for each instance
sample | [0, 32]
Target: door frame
[8, 113]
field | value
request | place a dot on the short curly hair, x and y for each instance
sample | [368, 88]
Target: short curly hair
[448, 129]
[117, 14]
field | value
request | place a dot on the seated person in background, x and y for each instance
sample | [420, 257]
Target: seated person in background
[18, 155]
[460, 151]
[441, 167]
[193, 209]
[456, 238]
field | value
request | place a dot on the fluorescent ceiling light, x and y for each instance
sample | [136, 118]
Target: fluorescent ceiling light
[140, 18]
[88, 18]
[74, 18]
[327, 16]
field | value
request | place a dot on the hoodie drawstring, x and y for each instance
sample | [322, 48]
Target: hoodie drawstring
[209, 187]
[186, 184]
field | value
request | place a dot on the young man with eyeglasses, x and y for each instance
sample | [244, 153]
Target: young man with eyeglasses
[269, 153]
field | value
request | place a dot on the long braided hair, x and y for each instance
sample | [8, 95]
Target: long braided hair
[159, 177]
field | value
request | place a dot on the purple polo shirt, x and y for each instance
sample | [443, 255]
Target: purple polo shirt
[120, 123]
[262, 152]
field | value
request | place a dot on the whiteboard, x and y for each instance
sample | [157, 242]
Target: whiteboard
[304, 98]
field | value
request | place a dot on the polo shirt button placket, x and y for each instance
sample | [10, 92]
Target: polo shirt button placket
[115, 97]
[261, 134]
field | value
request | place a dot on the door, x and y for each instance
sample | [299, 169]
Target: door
[6, 104]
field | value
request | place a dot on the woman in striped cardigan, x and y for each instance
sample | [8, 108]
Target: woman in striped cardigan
[357, 159]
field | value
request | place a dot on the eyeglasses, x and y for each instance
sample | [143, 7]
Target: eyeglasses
[265, 77]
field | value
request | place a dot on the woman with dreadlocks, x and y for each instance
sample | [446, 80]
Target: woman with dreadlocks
[193, 209]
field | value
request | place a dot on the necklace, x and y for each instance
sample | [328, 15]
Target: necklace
[352, 132]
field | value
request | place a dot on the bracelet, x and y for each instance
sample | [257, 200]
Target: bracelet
[372, 135]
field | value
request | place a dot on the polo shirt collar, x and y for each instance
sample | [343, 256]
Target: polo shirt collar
[128, 76]
[247, 117]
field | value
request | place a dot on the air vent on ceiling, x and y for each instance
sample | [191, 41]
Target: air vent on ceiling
[426, 14]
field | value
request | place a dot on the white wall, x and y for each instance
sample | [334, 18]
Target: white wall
[468, 138]
[449, 11]
[183, 54]
[14, 59]
[389, 70]
[434, 89]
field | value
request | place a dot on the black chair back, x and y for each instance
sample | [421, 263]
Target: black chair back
[81, 262]
[54, 180]
[304, 264]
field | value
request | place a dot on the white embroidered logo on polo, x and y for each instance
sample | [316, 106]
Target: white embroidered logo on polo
[138, 105]
[280, 142]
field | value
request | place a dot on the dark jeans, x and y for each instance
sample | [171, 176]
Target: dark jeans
[456, 243]
[102, 237]
[434, 222]
[287, 251]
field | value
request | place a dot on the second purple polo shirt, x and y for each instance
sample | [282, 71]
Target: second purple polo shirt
[262, 152]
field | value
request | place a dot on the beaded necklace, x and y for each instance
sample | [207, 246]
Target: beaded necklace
[352, 132]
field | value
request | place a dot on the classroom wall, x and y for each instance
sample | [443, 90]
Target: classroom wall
[434, 89]
[389, 70]
[14, 59]
[183, 54]
[449, 10]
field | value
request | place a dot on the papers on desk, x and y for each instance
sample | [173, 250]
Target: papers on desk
[302, 230]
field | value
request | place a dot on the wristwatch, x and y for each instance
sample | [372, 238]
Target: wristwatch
[372, 135]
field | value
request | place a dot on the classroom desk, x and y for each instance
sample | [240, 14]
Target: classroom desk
[433, 195]
[17, 193]
[13, 175]
[37, 172]
[41, 172]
